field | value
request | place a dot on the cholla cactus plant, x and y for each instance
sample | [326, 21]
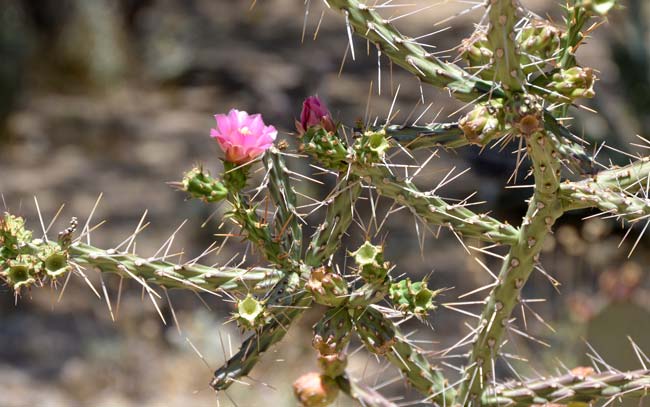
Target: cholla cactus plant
[521, 76]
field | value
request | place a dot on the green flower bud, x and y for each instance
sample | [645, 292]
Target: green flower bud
[567, 85]
[326, 147]
[250, 313]
[55, 262]
[327, 288]
[21, 271]
[13, 234]
[201, 185]
[371, 147]
[481, 124]
[414, 298]
[370, 260]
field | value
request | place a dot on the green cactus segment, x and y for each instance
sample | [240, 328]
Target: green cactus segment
[578, 12]
[170, 275]
[404, 52]
[364, 395]
[436, 211]
[381, 336]
[445, 135]
[369, 293]
[258, 231]
[327, 288]
[250, 313]
[570, 388]
[338, 219]
[567, 85]
[331, 336]
[412, 298]
[501, 41]
[246, 358]
[199, 184]
[574, 156]
[287, 227]
[543, 209]
[588, 194]
[631, 178]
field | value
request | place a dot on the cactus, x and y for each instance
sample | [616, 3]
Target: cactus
[520, 77]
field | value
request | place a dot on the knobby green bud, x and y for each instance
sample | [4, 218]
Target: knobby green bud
[250, 313]
[13, 234]
[414, 298]
[22, 271]
[327, 287]
[55, 260]
[327, 147]
[567, 85]
[481, 124]
[371, 147]
[201, 185]
[370, 260]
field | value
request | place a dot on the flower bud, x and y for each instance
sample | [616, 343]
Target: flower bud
[315, 113]
[315, 390]
[328, 288]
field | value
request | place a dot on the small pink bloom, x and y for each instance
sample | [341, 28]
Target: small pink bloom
[241, 136]
[315, 113]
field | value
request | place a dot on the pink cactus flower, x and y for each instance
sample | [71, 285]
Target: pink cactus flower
[241, 136]
[315, 113]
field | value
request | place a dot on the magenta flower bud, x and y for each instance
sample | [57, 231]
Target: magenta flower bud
[315, 113]
[241, 136]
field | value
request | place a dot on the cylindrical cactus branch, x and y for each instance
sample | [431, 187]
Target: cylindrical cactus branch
[382, 337]
[630, 178]
[170, 275]
[435, 210]
[543, 209]
[570, 388]
[501, 39]
[288, 230]
[366, 163]
[445, 135]
[27, 262]
[617, 202]
[405, 52]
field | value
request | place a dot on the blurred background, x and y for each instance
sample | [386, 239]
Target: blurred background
[117, 98]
